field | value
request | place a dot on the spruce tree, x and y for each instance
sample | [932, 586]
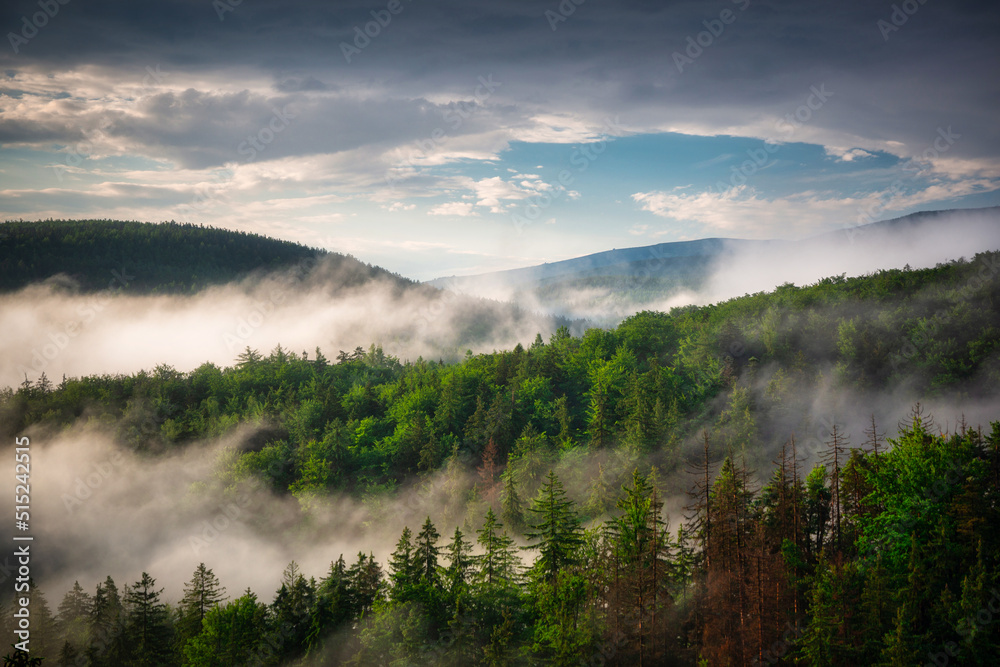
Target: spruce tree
[555, 529]
[426, 553]
[332, 607]
[107, 626]
[148, 626]
[460, 563]
[497, 565]
[511, 508]
[201, 594]
[403, 571]
[291, 609]
[74, 617]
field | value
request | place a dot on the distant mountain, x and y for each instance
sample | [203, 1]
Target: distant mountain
[166, 257]
[326, 294]
[607, 286]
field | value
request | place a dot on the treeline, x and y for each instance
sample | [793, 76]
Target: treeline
[747, 369]
[885, 555]
[141, 257]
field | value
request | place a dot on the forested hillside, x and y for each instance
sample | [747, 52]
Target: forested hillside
[876, 551]
[167, 257]
[608, 286]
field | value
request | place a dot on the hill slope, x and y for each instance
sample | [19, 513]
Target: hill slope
[168, 257]
[610, 285]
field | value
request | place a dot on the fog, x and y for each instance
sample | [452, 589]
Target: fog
[100, 510]
[855, 251]
[52, 328]
[656, 280]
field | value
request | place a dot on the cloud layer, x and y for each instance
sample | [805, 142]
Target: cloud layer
[109, 111]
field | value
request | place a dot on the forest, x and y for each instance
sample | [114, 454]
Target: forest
[790, 549]
[165, 258]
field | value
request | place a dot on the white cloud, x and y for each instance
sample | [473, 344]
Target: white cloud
[742, 212]
[847, 154]
[453, 208]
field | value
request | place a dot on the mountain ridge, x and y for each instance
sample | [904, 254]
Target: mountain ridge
[716, 245]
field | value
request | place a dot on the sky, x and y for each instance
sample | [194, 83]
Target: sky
[452, 138]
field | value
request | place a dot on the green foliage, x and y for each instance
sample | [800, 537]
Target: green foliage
[555, 529]
[140, 257]
[148, 630]
[757, 571]
[231, 634]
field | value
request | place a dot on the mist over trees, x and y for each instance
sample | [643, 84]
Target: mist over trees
[687, 486]
[168, 257]
[900, 564]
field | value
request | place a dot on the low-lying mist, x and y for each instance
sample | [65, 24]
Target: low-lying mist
[658, 281]
[53, 328]
[99, 509]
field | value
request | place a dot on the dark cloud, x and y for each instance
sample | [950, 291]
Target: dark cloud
[890, 85]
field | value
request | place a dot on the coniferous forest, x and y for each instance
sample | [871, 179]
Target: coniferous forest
[666, 492]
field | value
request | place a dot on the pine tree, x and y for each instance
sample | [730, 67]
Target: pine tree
[640, 543]
[488, 472]
[364, 585]
[201, 594]
[425, 553]
[69, 656]
[835, 458]
[232, 634]
[555, 528]
[332, 608]
[291, 608]
[74, 617]
[44, 640]
[403, 569]
[601, 498]
[148, 624]
[728, 576]
[497, 565]
[107, 626]
[699, 515]
[459, 563]
[511, 508]
[75, 605]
